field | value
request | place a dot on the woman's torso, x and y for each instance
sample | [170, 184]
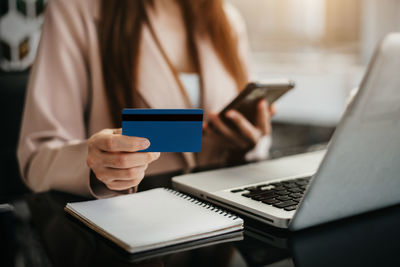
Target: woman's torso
[82, 80]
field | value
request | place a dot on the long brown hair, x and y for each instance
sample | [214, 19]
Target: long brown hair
[120, 27]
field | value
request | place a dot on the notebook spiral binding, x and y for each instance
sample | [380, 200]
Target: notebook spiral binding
[203, 204]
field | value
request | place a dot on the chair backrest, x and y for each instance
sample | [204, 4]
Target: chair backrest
[12, 96]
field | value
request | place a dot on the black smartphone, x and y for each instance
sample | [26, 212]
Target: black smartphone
[246, 101]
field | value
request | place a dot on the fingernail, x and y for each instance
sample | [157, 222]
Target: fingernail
[145, 143]
[231, 114]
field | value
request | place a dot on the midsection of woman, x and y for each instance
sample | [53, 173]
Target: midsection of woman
[67, 103]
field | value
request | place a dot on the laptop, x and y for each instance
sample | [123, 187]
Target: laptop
[359, 171]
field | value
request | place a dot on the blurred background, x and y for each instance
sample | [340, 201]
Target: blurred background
[323, 45]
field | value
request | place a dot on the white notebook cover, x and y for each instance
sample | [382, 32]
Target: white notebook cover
[153, 219]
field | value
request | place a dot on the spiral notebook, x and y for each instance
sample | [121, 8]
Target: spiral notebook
[153, 219]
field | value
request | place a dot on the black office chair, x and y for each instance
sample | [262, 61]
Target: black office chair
[12, 95]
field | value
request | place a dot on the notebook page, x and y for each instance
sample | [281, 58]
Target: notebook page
[153, 218]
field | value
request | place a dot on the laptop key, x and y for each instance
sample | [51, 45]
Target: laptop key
[289, 208]
[295, 190]
[237, 190]
[275, 184]
[265, 192]
[252, 194]
[296, 195]
[304, 179]
[283, 192]
[257, 193]
[290, 185]
[283, 198]
[288, 181]
[251, 188]
[279, 188]
[258, 197]
[269, 194]
[264, 196]
[266, 187]
[285, 204]
[270, 201]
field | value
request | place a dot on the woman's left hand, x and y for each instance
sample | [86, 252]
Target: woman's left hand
[248, 134]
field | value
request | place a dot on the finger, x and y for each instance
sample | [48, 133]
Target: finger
[219, 126]
[125, 160]
[94, 157]
[118, 185]
[263, 117]
[245, 127]
[272, 110]
[120, 143]
[205, 128]
[108, 175]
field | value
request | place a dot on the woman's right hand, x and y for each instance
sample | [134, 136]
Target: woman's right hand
[114, 159]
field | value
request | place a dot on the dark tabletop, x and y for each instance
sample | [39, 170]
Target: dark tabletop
[37, 232]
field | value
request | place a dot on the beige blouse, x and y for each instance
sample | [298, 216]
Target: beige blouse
[66, 101]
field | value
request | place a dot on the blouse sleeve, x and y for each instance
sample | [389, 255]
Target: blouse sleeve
[52, 147]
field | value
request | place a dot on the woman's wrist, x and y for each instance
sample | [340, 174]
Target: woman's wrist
[98, 189]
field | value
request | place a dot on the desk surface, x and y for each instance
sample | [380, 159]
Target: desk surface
[42, 234]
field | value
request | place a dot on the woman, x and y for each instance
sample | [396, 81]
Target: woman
[99, 56]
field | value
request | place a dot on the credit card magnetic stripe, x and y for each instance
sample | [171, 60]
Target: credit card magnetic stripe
[161, 111]
[162, 117]
[169, 130]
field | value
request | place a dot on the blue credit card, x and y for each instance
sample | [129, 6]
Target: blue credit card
[168, 130]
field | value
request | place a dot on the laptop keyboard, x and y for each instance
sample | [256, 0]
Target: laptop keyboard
[283, 195]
